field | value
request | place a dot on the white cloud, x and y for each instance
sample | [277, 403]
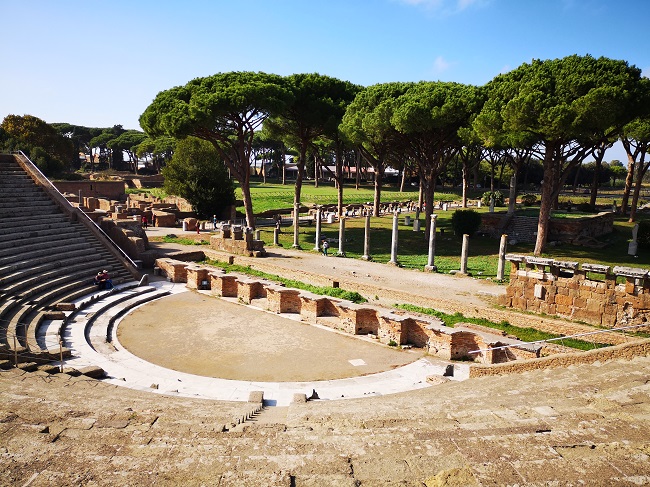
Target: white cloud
[440, 65]
[444, 6]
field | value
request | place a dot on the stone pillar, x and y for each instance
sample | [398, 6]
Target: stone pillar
[318, 222]
[296, 226]
[491, 209]
[366, 240]
[341, 251]
[276, 236]
[430, 267]
[633, 245]
[407, 220]
[393, 246]
[258, 234]
[502, 257]
[463, 256]
[416, 225]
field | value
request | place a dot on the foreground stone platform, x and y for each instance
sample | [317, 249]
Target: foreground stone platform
[586, 425]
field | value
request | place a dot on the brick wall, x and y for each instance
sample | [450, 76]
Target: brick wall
[344, 315]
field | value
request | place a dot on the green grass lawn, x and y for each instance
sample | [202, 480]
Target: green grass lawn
[274, 196]
[413, 247]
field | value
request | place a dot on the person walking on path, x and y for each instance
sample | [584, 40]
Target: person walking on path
[325, 245]
[144, 222]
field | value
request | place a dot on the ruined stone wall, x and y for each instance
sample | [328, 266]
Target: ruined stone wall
[429, 334]
[98, 189]
[592, 293]
[560, 229]
[626, 351]
[237, 240]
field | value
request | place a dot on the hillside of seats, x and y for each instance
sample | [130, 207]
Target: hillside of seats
[48, 257]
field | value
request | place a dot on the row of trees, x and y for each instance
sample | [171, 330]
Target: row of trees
[57, 148]
[560, 111]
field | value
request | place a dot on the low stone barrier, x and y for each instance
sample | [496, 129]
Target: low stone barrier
[626, 351]
[428, 333]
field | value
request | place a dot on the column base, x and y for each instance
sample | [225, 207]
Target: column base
[430, 268]
[366, 257]
[296, 246]
[394, 262]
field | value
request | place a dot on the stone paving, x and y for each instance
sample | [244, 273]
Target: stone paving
[579, 426]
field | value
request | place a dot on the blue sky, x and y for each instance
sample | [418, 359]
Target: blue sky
[100, 63]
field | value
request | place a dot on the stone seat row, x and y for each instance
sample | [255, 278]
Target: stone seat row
[388, 327]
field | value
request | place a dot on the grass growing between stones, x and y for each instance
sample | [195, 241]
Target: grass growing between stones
[181, 240]
[523, 334]
[335, 292]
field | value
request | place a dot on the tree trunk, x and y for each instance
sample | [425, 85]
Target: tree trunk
[546, 202]
[401, 184]
[298, 188]
[284, 165]
[574, 186]
[629, 178]
[339, 178]
[248, 203]
[428, 188]
[316, 171]
[641, 170]
[465, 183]
[378, 182]
[358, 171]
[598, 158]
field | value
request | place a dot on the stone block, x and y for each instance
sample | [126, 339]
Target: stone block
[580, 302]
[283, 300]
[198, 277]
[247, 290]
[299, 399]
[312, 306]
[92, 371]
[595, 305]
[256, 397]
[224, 285]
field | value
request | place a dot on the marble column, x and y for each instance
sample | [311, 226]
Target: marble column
[341, 251]
[430, 267]
[296, 225]
[366, 240]
[318, 223]
[502, 257]
[393, 246]
[464, 253]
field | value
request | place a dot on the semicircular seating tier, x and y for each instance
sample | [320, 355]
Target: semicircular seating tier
[49, 254]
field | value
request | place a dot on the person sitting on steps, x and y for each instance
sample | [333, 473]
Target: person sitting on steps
[102, 280]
